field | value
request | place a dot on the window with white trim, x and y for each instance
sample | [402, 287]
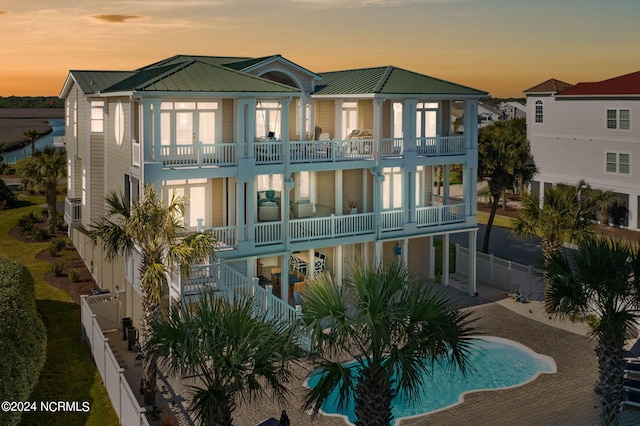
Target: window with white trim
[266, 182]
[185, 123]
[268, 119]
[619, 119]
[392, 188]
[539, 112]
[97, 116]
[75, 119]
[349, 118]
[617, 162]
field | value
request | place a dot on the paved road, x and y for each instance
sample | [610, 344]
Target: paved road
[504, 245]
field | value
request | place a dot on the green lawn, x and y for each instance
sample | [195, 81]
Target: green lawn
[69, 373]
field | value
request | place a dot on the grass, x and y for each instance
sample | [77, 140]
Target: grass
[70, 373]
[501, 221]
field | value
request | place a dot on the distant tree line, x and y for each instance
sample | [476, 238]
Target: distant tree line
[31, 102]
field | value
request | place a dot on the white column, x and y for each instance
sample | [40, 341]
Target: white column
[311, 266]
[338, 191]
[432, 257]
[445, 259]
[473, 235]
[377, 127]
[284, 277]
[338, 263]
[377, 253]
[633, 210]
[405, 251]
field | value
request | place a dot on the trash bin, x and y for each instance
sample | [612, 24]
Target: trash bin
[131, 338]
[126, 322]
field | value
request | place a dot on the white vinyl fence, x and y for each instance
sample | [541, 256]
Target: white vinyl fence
[122, 397]
[501, 273]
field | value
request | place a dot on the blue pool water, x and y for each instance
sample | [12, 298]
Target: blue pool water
[497, 363]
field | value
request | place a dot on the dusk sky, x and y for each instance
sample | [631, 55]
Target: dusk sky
[498, 46]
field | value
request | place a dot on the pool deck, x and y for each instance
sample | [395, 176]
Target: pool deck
[564, 398]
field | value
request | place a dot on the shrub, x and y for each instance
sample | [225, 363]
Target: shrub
[23, 338]
[74, 275]
[56, 245]
[57, 267]
[40, 234]
[25, 223]
[7, 198]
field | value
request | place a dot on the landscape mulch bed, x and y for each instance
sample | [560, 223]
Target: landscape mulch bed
[83, 286]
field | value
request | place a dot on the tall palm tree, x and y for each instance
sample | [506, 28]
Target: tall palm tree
[393, 325]
[600, 278]
[31, 136]
[234, 352]
[156, 228]
[504, 158]
[43, 171]
[564, 216]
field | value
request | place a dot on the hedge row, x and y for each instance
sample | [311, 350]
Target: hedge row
[23, 337]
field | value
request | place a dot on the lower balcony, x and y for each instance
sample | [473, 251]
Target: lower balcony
[338, 226]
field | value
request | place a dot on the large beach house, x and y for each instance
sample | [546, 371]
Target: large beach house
[296, 172]
[589, 131]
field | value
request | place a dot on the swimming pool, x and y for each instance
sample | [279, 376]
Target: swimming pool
[497, 364]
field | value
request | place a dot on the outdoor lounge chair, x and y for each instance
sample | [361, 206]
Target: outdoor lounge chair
[632, 388]
[634, 352]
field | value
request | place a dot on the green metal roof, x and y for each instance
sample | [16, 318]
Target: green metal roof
[388, 80]
[212, 60]
[196, 76]
[91, 82]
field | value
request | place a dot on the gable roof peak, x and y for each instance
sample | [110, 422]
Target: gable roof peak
[552, 85]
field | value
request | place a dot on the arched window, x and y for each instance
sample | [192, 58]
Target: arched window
[539, 112]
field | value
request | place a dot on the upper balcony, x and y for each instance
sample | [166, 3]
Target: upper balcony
[314, 151]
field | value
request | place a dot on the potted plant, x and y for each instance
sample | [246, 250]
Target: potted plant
[353, 209]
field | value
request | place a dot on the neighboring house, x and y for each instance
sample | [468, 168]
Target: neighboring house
[486, 115]
[513, 109]
[291, 169]
[588, 131]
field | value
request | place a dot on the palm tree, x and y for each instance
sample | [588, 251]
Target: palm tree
[564, 216]
[603, 201]
[234, 352]
[601, 278]
[31, 136]
[43, 171]
[504, 158]
[156, 228]
[393, 325]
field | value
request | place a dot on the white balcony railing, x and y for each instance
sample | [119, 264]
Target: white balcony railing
[219, 154]
[330, 227]
[440, 145]
[73, 211]
[392, 147]
[268, 152]
[226, 236]
[268, 233]
[391, 220]
[439, 215]
[331, 150]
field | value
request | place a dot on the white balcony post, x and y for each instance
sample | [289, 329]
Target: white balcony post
[445, 259]
[446, 190]
[473, 235]
[377, 128]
